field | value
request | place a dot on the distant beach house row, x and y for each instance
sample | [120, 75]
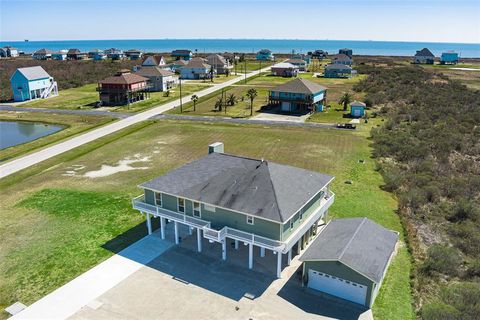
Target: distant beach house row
[32, 83]
[425, 56]
[77, 54]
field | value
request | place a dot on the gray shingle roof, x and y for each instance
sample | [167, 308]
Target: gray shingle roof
[260, 188]
[424, 53]
[197, 64]
[359, 243]
[341, 57]
[151, 71]
[32, 73]
[300, 85]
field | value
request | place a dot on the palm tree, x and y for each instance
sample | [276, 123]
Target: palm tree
[212, 73]
[219, 104]
[345, 99]
[252, 94]
[231, 100]
[194, 99]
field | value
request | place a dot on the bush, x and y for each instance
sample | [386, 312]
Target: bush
[440, 311]
[442, 259]
[465, 297]
[474, 268]
[464, 210]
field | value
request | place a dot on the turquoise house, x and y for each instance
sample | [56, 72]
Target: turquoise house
[265, 55]
[299, 96]
[32, 83]
[232, 199]
[357, 109]
[449, 58]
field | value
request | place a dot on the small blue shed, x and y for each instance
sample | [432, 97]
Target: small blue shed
[357, 109]
[449, 58]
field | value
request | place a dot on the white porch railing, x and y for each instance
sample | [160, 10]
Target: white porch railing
[227, 232]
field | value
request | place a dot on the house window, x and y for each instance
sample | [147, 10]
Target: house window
[181, 205]
[158, 199]
[249, 220]
[196, 210]
[291, 224]
[301, 215]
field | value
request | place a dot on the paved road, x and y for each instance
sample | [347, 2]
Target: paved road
[247, 121]
[118, 115]
[44, 154]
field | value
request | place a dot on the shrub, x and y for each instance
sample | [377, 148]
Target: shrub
[442, 259]
[440, 311]
[465, 297]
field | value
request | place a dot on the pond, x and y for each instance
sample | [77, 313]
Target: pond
[13, 133]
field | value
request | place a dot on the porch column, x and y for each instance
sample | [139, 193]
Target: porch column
[299, 246]
[250, 256]
[176, 232]
[236, 244]
[224, 249]
[162, 227]
[190, 230]
[199, 240]
[262, 252]
[289, 257]
[149, 223]
[279, 264]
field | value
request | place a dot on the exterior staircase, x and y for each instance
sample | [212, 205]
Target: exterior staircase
[46, 93]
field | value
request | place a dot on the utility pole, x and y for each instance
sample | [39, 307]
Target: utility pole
[180, 86]
[245, 69]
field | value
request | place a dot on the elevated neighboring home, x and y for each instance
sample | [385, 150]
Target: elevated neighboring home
[449, 57]
[233, 199]
[342, 59]
[347, 52]
[305, 57]
[219, 63]
[97, 55]
[60, 55]
[349, 259]
[42, 54]
[182, 54]
[115, 54]
[298, 96]
[424, 56]
[76, 54]
[8, 52]
[357, 109]
[300, 63]
[284, 69]
[337, 71]
[159, 79]
[123, 88]
[196, 69]
[153, 61]
[32, 83]
[177, 65]
[133, 54]
[265, 55]
[319, 54]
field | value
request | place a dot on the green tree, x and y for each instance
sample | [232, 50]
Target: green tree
[345, 100]
[252, 94]
[231, 100]
[194, 99]
[219, 104]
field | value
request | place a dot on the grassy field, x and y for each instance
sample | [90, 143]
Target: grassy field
[56, 222]
[74, 124]
[205, 106]
[85, 97]
[251, 65]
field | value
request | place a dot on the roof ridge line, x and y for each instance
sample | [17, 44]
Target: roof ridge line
[274, 191]
[351, 239]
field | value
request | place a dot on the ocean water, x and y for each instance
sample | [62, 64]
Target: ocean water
[386, 48]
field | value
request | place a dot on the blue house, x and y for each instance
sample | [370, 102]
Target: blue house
[97, 55]
[299, 96]
[32, 83]
[60, 55]
[265, 55]
[449, 57]
[337, 71]
[357, 109]
[182, 54]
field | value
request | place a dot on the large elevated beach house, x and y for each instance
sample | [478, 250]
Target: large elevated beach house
[32, 83]
[298, 96]
[123, 88]
[225, 197]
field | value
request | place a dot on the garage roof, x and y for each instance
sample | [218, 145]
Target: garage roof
[256, 187]
[359, 243]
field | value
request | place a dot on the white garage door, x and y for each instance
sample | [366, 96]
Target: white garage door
[356, 113]
[338, 287]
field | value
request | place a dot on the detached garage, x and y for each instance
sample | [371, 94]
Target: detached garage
[349, 259]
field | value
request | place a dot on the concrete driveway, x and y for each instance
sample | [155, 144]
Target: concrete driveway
[183, 284]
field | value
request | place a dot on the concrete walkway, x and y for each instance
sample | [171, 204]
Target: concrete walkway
[47, 153]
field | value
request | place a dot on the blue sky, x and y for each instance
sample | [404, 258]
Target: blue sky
[392, 20]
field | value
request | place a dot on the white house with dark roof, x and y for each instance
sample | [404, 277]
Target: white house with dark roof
[196, 69]
[349, 259]
[342, 59]
[228, 198]
[42, 54]
[8, 52]
[32, 83]
[424, 56]
[219, 63]
[159, 79]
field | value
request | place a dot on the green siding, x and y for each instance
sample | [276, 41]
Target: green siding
[307, 210]
[340, 270]
[150, 197]
[169, 202]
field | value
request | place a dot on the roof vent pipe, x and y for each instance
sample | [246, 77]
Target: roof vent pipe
[216, 147]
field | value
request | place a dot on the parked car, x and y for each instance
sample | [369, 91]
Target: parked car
[346, 126]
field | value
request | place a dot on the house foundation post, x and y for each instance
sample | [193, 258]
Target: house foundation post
[250, 256]
[199, 240]
[162, 227]
[176, 232]
[262, 252]
[289, 257]
[149, 223]
[224, 249]
[299, 246]
[190, 230]
[279, 264]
